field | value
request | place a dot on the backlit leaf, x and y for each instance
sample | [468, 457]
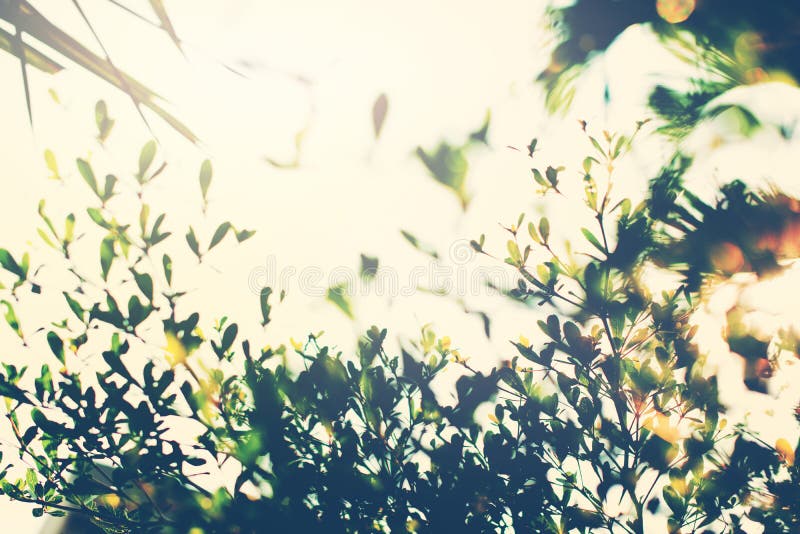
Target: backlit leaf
[146, 156]
[52, 165]
[103, 121]
[106, 254]
[206, 173]
[338, 296]
[88, 175]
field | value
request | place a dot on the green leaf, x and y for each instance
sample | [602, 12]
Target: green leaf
[166, 262]
[618, 146]
[76, 308]
[9, 263]
[52, 165]
[552, 327]
[219, 235]
[136, 311]
[597, 146]
[243, 235]
[571, 333]
[369, 267]
[144, 214]
[97, 217]
[156, 236]
[513, 251]
[528, 353]
[69, 228]
[46, 238]
[594, 283]
[145, 283]
[265, 306]
[108, 190]
[205, 178]
[533, 232]
[510, 377]
[537, 176]
[56, 345]
[674, 501]
[12, 391]
[544, 229]
[86, 486]
[11, 318]
[106, 254]
[188, 395]
[532, 147]
[43, 385]
[590, 189]
[448, 166]
[146, 156]
[88, 175]
[338, 296]
[191, 239]
[31, 479]
[114, 361]
[593, 240]
[552, 176]
[624, 206]
[25, 263]
[103, 121]
[417, 244]
[46, 219]
[229, 337]
[481, 134]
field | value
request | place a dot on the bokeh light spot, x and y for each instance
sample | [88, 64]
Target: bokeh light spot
[675, 11]
[727, 257]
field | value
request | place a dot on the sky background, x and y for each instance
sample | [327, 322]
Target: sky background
[318, 67]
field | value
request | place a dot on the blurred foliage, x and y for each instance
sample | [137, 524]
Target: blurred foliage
[717, 25]
[28, 21]
[602, 415]
[605, 415]
[735, 42]
[744, 231]
[448, 163]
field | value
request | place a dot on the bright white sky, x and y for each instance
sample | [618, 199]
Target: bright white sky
[442, 65]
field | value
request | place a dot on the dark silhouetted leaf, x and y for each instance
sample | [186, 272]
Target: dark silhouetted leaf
[219, 234]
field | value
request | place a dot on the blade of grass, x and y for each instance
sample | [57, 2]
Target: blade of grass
[127, 89]
[28, 20]
[20, 49]
[166, 23]
[33, 57]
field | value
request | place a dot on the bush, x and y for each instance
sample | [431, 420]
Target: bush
[606, 416]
